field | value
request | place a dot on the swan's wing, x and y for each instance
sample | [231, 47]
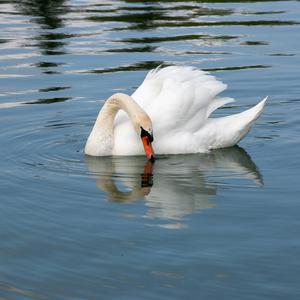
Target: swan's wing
[227, 131]
[179, 98]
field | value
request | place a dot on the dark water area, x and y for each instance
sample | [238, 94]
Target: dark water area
[220, 225]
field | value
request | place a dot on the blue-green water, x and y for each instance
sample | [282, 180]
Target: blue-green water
[223, 225]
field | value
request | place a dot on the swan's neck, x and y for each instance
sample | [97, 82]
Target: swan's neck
[113, 105]
[101, 139]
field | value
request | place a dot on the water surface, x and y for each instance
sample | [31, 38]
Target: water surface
[221, 225]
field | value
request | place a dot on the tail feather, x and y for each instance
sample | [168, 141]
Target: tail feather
[217, 103]
[228, 131]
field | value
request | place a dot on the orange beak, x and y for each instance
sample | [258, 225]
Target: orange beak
[148, 148]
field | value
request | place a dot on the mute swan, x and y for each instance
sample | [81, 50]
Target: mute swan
[171, 108]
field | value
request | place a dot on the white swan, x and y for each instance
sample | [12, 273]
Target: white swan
[171, 108]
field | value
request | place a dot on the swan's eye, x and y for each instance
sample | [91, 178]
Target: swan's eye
[150, 138]
[146, 133]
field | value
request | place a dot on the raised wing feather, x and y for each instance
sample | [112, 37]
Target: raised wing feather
[178, 98]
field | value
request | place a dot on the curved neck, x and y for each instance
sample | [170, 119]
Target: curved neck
[101, 139]
[113, 104]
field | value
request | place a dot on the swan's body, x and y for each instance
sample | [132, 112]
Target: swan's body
[178, 101]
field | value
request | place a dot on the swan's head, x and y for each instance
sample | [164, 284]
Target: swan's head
[147, 139]
[144, 129]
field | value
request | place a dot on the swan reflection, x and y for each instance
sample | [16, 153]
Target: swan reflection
[174, 186]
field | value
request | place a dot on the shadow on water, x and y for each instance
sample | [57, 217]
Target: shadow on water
[174, 186]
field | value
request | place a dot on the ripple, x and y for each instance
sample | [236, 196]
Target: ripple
[282, 54]
[273, 12]
[254, 43]
[186, 37]
[38, 101]
[211, 24]
[18, 291]
[54, 149]
[18, 56]
[234, 68]
[132, 49]
[140, 66]
[54, 89]
[136, 18]
[48, 64]
[14, 75]
[192, 9]
[48, 100]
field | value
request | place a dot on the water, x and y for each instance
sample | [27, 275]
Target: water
[223, 225]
